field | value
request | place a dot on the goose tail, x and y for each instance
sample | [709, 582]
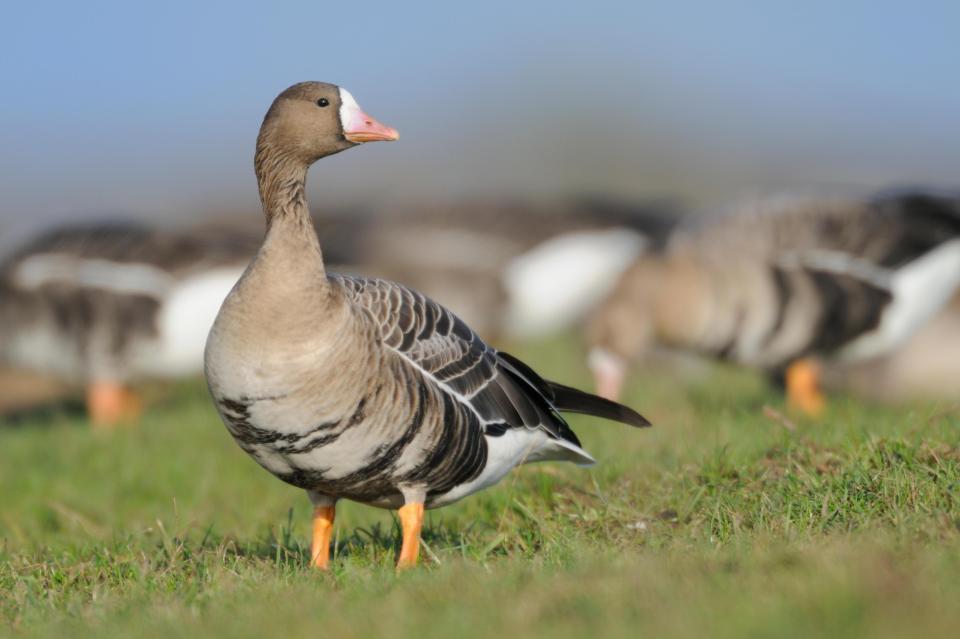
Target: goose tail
[572, 400]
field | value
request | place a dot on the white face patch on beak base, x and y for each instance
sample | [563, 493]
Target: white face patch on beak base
[609, 371]
[350, 111]
[601, 359]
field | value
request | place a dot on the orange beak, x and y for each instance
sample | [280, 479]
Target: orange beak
[363, 128]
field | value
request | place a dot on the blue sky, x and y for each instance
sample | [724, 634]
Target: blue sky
[113, 106]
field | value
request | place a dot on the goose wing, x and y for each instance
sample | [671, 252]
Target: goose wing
[860, 283]
[502, 391]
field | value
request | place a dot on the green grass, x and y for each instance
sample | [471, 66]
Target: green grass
[725, 520]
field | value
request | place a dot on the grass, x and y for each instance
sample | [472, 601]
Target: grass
[725, 520]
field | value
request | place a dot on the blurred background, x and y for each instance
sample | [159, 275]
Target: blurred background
[544, 117]
[152, 111]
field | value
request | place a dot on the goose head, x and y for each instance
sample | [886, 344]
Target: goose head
[311, 120]
[622, 328]
[616, 334]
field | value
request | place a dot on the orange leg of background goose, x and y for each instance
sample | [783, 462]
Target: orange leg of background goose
[411, 520]
[803, 387]
[110, 403]
[322, 532]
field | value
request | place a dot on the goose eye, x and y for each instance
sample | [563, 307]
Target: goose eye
[322, 102]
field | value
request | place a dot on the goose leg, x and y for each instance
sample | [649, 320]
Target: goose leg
[411, 520]
[323, 516]
[110, 403]
[803, 387]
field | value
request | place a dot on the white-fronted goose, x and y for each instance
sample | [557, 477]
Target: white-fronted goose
[361, 388]
[105, 305]
[776, 286]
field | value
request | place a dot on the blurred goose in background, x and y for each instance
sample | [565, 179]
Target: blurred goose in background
[23, 392]
[105, 305]
[361, 388]
[511, 269]
[779, 285]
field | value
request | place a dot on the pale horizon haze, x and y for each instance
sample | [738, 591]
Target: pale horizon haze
[152, 111]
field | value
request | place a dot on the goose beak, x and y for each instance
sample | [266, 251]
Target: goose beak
[363, 128]
[609, 384]
[609, 372]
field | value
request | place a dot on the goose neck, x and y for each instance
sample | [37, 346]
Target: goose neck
[291, 243]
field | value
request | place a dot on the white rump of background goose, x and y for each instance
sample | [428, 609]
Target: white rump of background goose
[107, 305]
[926, 367]
[361, 388]
[782, 284]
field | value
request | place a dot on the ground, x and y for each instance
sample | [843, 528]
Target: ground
[727, 519]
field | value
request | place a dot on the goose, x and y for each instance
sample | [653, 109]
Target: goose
[361, 388]
[783, 285]
[105, 305]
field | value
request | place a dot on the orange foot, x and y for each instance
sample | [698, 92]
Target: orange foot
[109, 404]
[322, 531]
[803, 387]
[411, 520]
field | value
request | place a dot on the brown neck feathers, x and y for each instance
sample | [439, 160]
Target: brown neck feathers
[281, 177]
[282, 180]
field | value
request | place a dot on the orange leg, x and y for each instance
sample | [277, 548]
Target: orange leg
[322, 531]
[803, 387]
[411, 520]
[109, 403]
